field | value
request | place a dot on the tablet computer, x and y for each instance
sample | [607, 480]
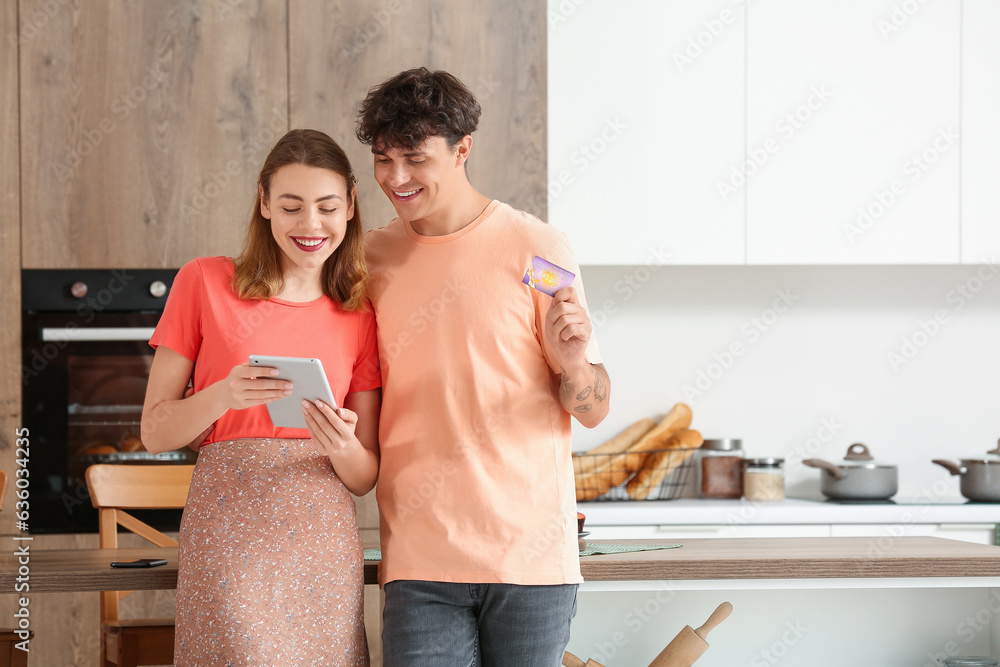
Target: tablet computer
[308, 383]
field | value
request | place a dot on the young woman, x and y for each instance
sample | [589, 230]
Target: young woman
[271, 565]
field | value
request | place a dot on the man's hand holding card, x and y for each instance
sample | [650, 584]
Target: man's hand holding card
[567, 325]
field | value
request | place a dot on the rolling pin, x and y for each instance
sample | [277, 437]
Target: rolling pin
[689, 644]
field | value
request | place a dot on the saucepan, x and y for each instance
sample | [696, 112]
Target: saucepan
[980, 477]
[857, 477]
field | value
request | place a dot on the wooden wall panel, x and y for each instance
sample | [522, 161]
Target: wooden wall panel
[145, 126]
[10, 252]
[10, 275]
[341, 49]
[10, 257]
[498, 48]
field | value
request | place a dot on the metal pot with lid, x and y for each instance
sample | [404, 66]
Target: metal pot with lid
[857, 477]
[980, 477]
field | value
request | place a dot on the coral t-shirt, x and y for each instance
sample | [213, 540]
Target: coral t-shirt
[205, 321]
[476, 478]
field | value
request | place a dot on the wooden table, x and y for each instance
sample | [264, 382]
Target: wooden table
[77, 570]
[704, 559]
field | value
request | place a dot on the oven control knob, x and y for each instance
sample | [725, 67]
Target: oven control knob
[158, 288]
[78, 289]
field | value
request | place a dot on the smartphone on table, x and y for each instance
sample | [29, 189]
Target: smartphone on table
[142, 562]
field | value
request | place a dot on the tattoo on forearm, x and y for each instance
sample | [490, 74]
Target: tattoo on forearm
[600, 384]
[598, 390]
[565, 386]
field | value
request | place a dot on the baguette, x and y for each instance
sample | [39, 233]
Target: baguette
[658, 465]
[591, 459]
[620, 467]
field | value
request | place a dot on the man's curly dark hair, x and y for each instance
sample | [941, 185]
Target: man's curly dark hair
[403, 111]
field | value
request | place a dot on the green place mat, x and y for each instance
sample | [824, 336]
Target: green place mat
[596, 549]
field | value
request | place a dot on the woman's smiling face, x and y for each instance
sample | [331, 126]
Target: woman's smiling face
[308, 208]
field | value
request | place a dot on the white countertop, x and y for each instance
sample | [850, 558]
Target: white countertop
[791, 511]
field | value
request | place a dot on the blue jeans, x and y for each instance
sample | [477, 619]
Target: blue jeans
[442, 624]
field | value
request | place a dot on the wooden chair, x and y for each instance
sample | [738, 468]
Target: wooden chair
[114, 489]
[10, 655]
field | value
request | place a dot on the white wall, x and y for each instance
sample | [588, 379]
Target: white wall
[825, 359]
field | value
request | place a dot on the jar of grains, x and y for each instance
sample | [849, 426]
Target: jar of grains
[721, 468]
[764, 479]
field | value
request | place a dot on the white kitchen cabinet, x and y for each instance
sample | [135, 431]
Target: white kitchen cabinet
[853, 131]
[980, 132]
[882, 534]
[645, 109]
[681, 532]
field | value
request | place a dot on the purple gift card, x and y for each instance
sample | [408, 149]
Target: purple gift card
[546, 277]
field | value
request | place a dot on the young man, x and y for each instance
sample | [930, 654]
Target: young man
[481, 374]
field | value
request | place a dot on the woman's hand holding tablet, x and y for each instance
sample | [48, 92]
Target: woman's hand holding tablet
[309, 383]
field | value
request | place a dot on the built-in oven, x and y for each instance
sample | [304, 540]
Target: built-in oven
[85, 365]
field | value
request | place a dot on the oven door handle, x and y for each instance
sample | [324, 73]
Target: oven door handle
[96, 334]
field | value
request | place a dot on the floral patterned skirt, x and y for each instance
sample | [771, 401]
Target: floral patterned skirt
[271, 569]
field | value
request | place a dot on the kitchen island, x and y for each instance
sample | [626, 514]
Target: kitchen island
[798, 601]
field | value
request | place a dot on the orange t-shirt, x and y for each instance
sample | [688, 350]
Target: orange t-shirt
[205, 321]
[476, 480]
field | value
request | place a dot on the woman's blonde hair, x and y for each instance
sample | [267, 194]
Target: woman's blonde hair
[258, 268]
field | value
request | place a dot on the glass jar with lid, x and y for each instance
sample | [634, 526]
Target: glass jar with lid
[764, 479]
[721, 468]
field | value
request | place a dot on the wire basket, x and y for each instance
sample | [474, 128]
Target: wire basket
[659, 474]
